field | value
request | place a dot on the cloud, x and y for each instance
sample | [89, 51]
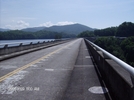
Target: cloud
[49, 24]
[17, 25]
[65, 23]
[22, 24]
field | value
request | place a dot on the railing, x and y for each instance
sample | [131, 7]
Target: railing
[22, 43]
[127, 67]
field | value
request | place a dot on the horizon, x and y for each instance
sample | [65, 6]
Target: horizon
[95, 14]
[61, 25]
[48, 26]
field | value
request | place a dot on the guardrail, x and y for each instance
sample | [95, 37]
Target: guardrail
[22, 43]
[118, 75]
[127, 67]
[13, 51]
[9, 48]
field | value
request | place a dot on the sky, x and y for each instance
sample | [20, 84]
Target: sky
[19, 14]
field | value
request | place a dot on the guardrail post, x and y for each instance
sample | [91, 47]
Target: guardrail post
[105, 56]
[132, 78]
[20, 44]
[96, 49]
[6, 46]
[132, 95]
[31, 43]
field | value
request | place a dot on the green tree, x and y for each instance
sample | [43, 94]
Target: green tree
[123, 49]
[86, 34]
[126, 29]
[112, 45]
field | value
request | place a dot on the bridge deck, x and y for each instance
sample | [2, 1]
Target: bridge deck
[54, 73]
[85, 83]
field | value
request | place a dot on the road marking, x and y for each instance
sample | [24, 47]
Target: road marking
[33, 66]
[34, 62]
[58, 69]
[7, 67]
[98, 90]
[82, 66]
[87, 57]
[39, 62]
[49, 69]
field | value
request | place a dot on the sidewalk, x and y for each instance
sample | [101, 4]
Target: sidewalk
[85, 84]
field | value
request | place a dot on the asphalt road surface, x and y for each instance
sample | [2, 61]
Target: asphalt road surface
[62, 72]
[39, 75]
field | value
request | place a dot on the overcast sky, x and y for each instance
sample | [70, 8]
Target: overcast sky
[18, 14]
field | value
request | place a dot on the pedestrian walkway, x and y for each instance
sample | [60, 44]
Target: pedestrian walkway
[85, 83]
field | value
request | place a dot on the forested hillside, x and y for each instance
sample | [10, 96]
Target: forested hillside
[123, 49]
[70, 29]
[17, 34]
[111, 40]
[126, 29]
[66, 31]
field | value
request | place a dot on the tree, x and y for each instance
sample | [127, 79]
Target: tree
[126, 29]
[123, 49]
[112, 45]
[106, 32]
[16, 34]
[86, 34]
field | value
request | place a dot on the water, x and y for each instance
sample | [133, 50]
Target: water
[17, 42]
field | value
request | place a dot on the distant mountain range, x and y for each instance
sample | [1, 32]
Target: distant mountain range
[1, 29]
[71, 29]
[33, 29]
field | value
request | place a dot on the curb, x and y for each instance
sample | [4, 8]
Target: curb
[4, 57]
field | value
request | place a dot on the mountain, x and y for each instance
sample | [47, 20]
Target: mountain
[33, 29]
[1, 29]
[71, 29]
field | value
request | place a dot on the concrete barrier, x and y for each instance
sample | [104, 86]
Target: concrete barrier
[9, 52]
[117, 79]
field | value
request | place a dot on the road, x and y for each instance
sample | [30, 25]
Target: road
[40, 75]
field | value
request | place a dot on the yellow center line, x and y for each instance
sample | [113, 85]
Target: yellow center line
[32, 63]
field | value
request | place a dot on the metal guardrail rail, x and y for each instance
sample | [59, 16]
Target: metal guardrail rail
[2, 45]
[127, 67]
[28, 42]
[14, 43]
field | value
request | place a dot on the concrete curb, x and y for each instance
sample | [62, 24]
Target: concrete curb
[4, 57]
